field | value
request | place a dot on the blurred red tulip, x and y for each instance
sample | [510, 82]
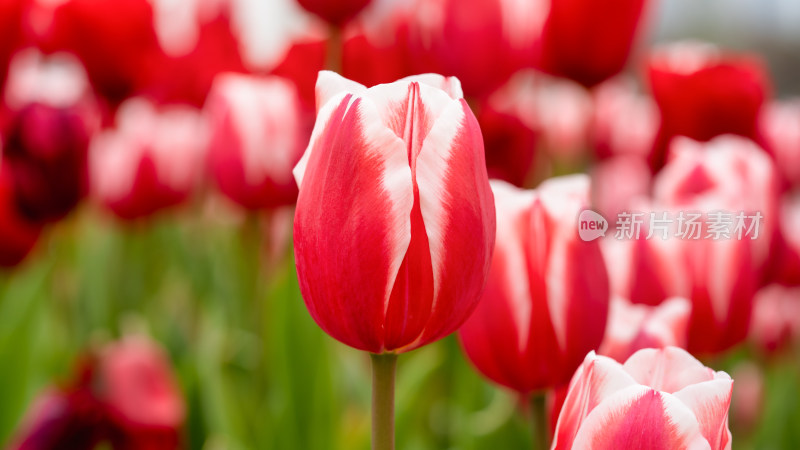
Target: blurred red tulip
[703, 93]
[50, 120]
[151, 161]
[747, 406]
[625, 123]
[784, 265]
[546, 299]
[659, 399]
[11, 32]
[780, 127]
[114, 39]
[634, 327]
[258, 135]
[302, 62]
[395, 224]
[588, 41]
[776, 318]
[61, 419]
[609, 196]
[140, 395]
[17, 235]
[482, 45]
[734, 176]
[335, 12]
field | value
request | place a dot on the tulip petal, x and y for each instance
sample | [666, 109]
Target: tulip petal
[669, 369]
[357, 188]
[331, 84]
[638, 417]
[596, 379]
[710, 401]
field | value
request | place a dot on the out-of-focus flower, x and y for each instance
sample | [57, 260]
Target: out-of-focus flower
[703, 93]
[776, 317]
[11, 32]
[140, 396]
[51, 118]
[784, 265]
[335, 12]
[546, 298]
[659, 399]
[748, 396]
[483, 44]
[395, 219]
[625, 123]
[634, 327]
[17, 235]
[153, 159]
[611, 197]
[258, 136]
[123, 395]
[303, 60]
[780, 128]
[115, 40]
[729, 178]
[588, 41]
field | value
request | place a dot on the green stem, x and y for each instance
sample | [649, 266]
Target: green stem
[383, 371]
[539, 426]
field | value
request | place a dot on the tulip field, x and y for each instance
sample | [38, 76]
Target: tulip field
[380, 224]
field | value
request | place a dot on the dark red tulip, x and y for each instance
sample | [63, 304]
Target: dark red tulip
[509, 141]
[51, 118]
[546, 299]
[399, 257]
[18, 236]
[11, 32]
[335, 12]
[588, 41]
[151, 161]
[482, 45]
[703, 93]
[259, 133]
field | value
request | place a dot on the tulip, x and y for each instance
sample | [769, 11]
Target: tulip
[784, 264]
[51, 118]
[702, 93]
[395, 223]
[17, 235]
[11, 32]
[658, 399]
[546, 298]
[151, 161]
[588, 41]
[625, 123]
[389, 167]
[335, 12]
[776, 318]
[748, 396]
[141, 397]
[609, 196]
[634, 327]
[258, 134]
[779, 125]
[116, 41]
[482, 45]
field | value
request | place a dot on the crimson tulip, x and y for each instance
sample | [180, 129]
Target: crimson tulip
[335, 12]
[151, 161]
[11, 32]
[658, 399]
[50, 120]
[633, 327]
[546, 298]
[588, 41]
[703, 93]
[394, 226]
[258, 134]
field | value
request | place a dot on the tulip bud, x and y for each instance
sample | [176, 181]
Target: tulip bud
[588, 41]
[51, 119]
[394, 225]
[634, 327]
[702, 94]
[659, 399]
[258, 135]
[546, 298]
[151, 161]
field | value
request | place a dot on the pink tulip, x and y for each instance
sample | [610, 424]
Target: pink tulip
[258, 135]
[658, 399]
[776, 318]
[625, 122]
[634, 327]
[395, 224]
[151, 161]
[780, 125]
[546, 299]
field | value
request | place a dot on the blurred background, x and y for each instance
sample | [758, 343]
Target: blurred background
[146, 201]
